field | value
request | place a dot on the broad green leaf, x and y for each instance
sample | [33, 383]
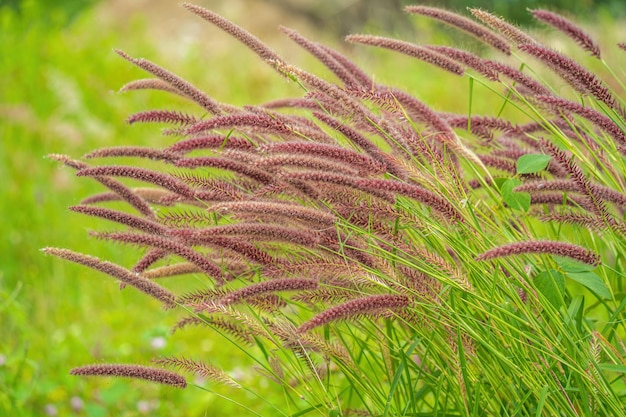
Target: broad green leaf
[499, 181]
[551, 284]
[571, 265]
[515, 200]
[592, 282]
[531, 163]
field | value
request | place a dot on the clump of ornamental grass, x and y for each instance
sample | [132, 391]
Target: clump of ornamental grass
[374, 256]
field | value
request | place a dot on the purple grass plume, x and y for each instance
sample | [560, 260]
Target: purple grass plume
[409, 49]
[545, 247]
[569, 28]
[127, 277]
[581, 79]
[156, 375]
[354, 308]
[198, 368]
[509, 31]
[463, 23]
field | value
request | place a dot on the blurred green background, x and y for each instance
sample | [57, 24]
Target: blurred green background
[58, 83]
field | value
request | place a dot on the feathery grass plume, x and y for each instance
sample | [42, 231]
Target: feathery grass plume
[182, 268]
[353, 248]
[600, 191]
[409, 49]
[501, 164]
[362, 78]
[135, 280]
[166, 181]
[466, 58]
[328, 270]
[292, 103]
[230, 190]
[152, 256]
[117, 187]
[415, 192]
[134, 152]
[364, 143]
[512, 152]
[360, 161]
[182, 218]
[557, 199]
[271, 286]
[244, 249]
[200, 199]
[337, 179]
[145, 225]
[240, 156]
[175, 81]
[200, 296]
[145, 373]
[268, 303]
[359, 215]
[278, 209]
[300, 126]
[564, 249]
[198, 368]
[461, 22]
[575, 74]
[281, 161]
[440, 265]
[101, 198]
[420, 285]
[443, 132]
[587, 221]
[322, 55]
[482, 126]
[509, 31]
[339, 98]
[227, 164]
[256, 231]
[154, 196]
[601, 121]
[185, 322]
[301, 343]
[577, 176]
[373, 304]
[569, 28]
[327, 295]
[172, 246]
[231, 327]
[533, 127]
[622, 46]
[257, 122]
[210, 142]
[519, 77]
[150, 84]
[379, 96]
[245, 37]
[162, 116]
